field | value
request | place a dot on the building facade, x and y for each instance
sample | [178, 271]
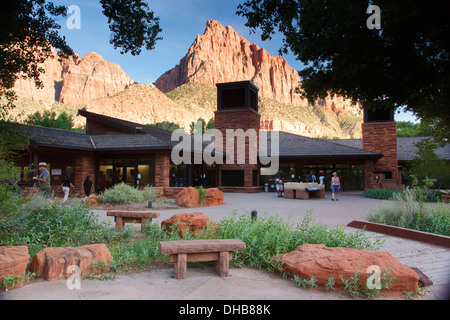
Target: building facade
[112, 151]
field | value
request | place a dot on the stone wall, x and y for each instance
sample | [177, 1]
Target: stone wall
[380, 137]
[239, 119]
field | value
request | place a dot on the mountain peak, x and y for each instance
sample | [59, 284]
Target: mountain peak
[222, 55]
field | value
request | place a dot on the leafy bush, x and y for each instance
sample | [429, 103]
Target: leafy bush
[149, 192]
[55, 226]
[10, 201]
[202, 193]
[265, 238]
[121, 193]
[269, 236]
[421, 194]
[384, 194]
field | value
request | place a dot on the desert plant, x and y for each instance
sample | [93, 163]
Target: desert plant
[305, 283]
[202, 193]
[406, 212]
[383, 194]
[58, 226]
[149, 192]
[121, 193]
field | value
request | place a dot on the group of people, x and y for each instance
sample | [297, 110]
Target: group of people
[335, 183]
[43, 179]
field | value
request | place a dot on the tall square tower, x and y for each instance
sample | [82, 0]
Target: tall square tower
[238, 121]
[379, 134]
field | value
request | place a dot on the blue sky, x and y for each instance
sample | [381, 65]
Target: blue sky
[181, 21]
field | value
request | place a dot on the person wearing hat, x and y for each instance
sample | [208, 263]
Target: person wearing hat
[44, 181]
[335, 186]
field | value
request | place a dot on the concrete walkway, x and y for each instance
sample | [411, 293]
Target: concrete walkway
[244, 283]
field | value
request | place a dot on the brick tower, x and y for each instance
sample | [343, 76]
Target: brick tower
[379, 134]
[238, 120]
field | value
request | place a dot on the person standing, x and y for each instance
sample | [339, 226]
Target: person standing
[335, 186]
[66, 187]
[279, 181]
[44, 181]
[87, 186]
[322, 179]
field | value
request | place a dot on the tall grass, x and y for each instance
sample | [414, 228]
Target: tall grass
[265, 238]
[407, 212]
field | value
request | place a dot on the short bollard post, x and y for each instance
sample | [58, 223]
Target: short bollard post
[254, 215]
[149, 204]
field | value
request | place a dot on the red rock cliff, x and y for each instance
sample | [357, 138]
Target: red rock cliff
[221, 55]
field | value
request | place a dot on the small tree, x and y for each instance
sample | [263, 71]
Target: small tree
[428, 165]
[50, 119]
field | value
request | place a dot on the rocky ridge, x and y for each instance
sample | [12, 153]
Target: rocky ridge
[187, 92]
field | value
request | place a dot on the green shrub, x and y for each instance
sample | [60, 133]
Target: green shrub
[56, 226]
[10, 201]
[384, 194]
[265, 238]
[149, 192]
[121, 193]
[269, 236]
[202, 193]
[412, 214]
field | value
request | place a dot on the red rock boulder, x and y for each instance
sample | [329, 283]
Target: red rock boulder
[13, 262]
[188, 197]
[52, 263]
[195, 222]
[214, 197]
[321, 262]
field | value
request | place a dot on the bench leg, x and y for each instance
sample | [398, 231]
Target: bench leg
[180, 266]
[222, 266]
[119, 223]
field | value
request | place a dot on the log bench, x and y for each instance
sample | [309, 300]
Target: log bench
[446, 197]
[182, 251]
[121, 217]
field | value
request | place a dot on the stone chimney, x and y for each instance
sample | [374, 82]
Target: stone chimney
[379, 134]
[238, 120]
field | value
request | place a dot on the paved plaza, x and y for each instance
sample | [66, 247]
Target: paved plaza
[245, 283]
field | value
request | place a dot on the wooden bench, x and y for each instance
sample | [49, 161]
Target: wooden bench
[446, 197]
[121, 217]
[183, 251]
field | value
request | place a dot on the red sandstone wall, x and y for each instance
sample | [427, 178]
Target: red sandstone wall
[381, 137]
[162, 170]
[239, 119]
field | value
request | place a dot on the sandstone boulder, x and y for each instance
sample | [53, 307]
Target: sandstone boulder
[321, 262]
[188, 197]
[13, 262]
[52, 263]
[195, 222]
[214, 197]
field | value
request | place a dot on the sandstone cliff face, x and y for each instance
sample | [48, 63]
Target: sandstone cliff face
[144, 103]
[221, 55]
[51, 80]
[91, 77]
[75, 81]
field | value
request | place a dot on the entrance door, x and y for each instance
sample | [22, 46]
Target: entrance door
[131, 175]
[126, 173]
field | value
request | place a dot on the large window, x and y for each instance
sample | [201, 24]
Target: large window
[179, 175]
[132, 171]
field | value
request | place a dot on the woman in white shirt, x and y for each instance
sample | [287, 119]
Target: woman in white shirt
[335, 186]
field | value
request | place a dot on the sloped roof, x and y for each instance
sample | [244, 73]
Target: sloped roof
[152, 138]
[406, 149]
[295, 146]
